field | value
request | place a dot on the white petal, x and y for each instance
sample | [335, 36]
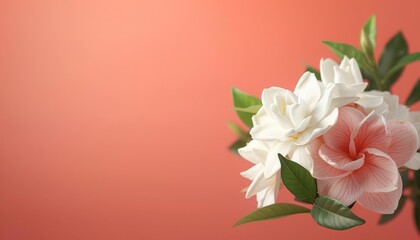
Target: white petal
[355, 70]
[414, 163]
[253, 172]
[258, 184]
[302, 156]
[255, 151]
[308, 90]
[327, 70]
[272, 165]
[265, 127]
[369, 101]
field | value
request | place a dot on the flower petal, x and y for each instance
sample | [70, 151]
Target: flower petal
[255, 151]
[338, 137]
[346, 189]
[404, 141]
[308, 90]
[371, 133]
[378, 174]
[382, 202]
[269, 195]
[302, 156]
[414, 163]
[340, 160]
[272, 165]
[265, 127]
[327, 70]
[253, 172]
[321, 169]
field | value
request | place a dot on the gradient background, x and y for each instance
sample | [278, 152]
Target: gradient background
[113, 113]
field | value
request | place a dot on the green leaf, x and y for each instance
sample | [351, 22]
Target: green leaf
[388, 217]
[244, 100]
[236, 145]
[407, 59]
[343, 49]
[314, 71]
[395, 49]
[332, 214]
[273, 211]
[298, 180]
[251, 109]
[368, 38]
[414, 95]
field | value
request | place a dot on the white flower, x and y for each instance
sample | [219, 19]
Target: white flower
[346, 76]
[290, 120]
[348, 80]
[266, 189]
[390, 108]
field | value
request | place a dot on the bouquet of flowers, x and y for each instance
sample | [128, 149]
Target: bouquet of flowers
[339, 138]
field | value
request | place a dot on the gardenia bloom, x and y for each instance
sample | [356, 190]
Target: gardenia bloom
[348, 80]
[358, 159]
[290, 120]
[265, 189]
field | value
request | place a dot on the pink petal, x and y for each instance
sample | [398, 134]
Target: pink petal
[346, 189]
[382, 202]
[404, 141]
[371, 133]
[378, 174]
[321, 169]
[338, 137]
[340, 160]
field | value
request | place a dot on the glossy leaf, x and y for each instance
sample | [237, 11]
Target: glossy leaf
[388, 217]
[414, 95]
[244, 100]
[332, 214]
[343, 49]
[368, 38]
[407, 59]
[395, 49]
[297, 180]
[273, 211]
[314, 71]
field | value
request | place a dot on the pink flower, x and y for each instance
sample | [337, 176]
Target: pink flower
[358, 159]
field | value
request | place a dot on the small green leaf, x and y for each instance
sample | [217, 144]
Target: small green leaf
[388, 217]
[314, 71]
[244, 100]
[273, 211]
[251, 109]
[298, 180]
[395, 49]
[332, 214]
[414, 95]
[343, 49]
[237, 145]
[368, 38]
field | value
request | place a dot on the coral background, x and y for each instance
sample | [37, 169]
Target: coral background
[113, 113]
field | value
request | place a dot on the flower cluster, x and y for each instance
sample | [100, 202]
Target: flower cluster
[352, 141]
